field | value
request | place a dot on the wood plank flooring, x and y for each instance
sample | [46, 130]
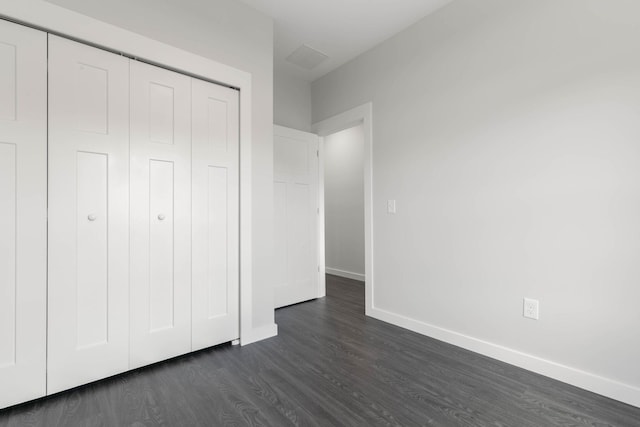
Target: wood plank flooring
[329, 366]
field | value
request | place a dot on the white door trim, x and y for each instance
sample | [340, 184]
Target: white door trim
[64, 22]
[362, 114]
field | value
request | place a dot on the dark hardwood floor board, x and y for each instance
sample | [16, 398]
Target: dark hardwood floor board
[237, 382]
[464, 382]
[254, 376]
[359, 373]
[340, 382]
[329, 366]
[312, 389]
[224, 392]
[447, 411]
[320, 409]
[240, 399]
[265, 391]
[332, 383]
[170, 399]
[213, 407]
[462, 385]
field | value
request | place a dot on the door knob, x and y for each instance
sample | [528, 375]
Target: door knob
[92, 217]
[161, 217]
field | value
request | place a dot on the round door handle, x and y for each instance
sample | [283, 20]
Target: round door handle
[161, 217]
[92, 217]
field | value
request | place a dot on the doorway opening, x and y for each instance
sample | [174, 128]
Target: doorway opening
[343, 168]
[346, 218]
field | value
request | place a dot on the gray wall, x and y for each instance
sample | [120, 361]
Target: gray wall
[344, 202]
[234, 34]
[291, 101]
[509, 134]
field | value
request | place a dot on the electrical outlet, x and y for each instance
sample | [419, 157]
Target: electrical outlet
[531, 308]
[391, 206]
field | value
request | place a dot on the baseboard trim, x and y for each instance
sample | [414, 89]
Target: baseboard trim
[345, 274]
[604, 386]
[259, 334]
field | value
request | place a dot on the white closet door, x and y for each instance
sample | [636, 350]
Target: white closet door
[23, 198]
[88, 214]
[215, 162]
[295, 163]
[160, 214]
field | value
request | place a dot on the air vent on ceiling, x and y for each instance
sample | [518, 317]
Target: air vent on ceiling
[306, 57]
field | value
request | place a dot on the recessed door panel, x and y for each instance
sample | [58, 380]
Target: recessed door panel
[301, 236]
[160, 213]
[215, 162]
[218, 282]
[161, 245]
[23, 192]
[161, 113]
[88, 214]
[92, 98]
[291, 157]
[92, 255]
[8, 291]
[217, 123]
[296, 216]
[280, 229]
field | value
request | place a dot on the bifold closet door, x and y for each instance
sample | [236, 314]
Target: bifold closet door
[88, 214]
[23, 213]
[215, 214]
[160, 214]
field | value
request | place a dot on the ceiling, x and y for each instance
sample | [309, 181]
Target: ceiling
[341, 29]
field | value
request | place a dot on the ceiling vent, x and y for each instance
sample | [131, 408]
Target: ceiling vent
[306, 57]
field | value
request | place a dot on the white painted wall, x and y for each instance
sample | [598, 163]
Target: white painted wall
[344, 202]
[230, 33]
[291, 101]
[508, 132]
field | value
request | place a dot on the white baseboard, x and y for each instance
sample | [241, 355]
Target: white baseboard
[259, 334]
[607, 387]
[345, 274]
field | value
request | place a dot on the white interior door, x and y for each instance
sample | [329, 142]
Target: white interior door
[23, 210]
[215, 163]
[160, 214]
[295, 158]
[88, 214]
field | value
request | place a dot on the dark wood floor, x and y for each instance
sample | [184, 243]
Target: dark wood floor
[329, 366]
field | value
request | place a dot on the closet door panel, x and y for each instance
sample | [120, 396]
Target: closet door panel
[8, 240]
[161, 245]
[215, 214]
[92, 248]
[160, 214]
[88, 214]
[23, 160]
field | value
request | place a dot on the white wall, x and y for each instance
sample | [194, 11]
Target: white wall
[344, 202]
[508, 132]
[291, 101]
[227, 32]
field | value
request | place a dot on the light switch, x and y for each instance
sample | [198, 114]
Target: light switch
[391, 206]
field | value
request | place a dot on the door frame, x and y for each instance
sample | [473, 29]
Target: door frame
[361, 115]
[57, 20]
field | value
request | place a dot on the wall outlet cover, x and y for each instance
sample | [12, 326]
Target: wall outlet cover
[531, 309]
[391, 206]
